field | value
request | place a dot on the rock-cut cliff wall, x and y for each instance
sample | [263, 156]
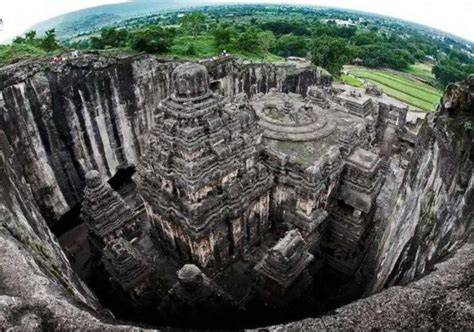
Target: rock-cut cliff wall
[94, 112]
[429, 213]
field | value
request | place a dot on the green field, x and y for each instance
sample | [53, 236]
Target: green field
[421, 71]
[407, 87]
[351, 80]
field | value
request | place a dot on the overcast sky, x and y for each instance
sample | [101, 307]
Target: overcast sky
[455, 16]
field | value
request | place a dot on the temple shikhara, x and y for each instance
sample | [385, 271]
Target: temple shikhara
[244, 200]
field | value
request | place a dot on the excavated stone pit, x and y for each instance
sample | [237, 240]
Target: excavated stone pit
[224, 195]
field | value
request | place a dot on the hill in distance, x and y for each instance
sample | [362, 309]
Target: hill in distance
[88, 19]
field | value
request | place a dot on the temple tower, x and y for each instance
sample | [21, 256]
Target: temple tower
[204, 188]
[127, 266]
[106, 214]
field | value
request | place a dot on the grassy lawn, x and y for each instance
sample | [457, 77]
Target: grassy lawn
[421, 71]
[351, 80]
[400, 85]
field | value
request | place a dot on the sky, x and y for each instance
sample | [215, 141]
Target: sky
[454, 16]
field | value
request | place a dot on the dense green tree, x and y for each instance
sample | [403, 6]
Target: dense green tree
[151, 39]
[291, 45]
[382, 55]
[329, 53]
[189, 49]
[286, 27]
[248, 40]
[110, 37]
[366, 38]
[49, 42]
[223, 36]
[194, 22]
[266, 40]
[449, 70]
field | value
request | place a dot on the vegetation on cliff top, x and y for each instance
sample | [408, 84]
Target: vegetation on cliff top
[329, 38]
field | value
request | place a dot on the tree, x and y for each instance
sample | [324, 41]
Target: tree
[110, 37]
[330, 53]
[29, 38]
[448, 71]
[49, 42]
[223, 36]
[194, 22]
[248, 40]
[151, 39]
[291, 45]
[266, 40]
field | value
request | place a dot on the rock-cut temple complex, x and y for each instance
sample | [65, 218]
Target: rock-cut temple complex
[242, 200]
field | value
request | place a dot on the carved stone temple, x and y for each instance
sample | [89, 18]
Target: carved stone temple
[249, 197]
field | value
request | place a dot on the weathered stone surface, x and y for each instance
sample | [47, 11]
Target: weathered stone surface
[94, 112]
[431, 212]
[286, 262]
[107, 215]
[197, 297]
[422, 213]
[203, 169]
[442, 300]
[38, 289]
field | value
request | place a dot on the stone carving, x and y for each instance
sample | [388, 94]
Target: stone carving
[126, 265]
[105, 212]
[326, 190]
[197, 298]
[373, 90]
[222, 177]
[284, 264]
[204, 155]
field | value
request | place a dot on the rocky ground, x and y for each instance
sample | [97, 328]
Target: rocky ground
[442, 300]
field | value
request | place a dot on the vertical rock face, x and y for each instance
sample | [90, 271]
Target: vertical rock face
[431, 213]
[93, 113]
[39, 290]
[85, 114]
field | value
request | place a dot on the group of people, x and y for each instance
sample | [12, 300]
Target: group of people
[58, 59]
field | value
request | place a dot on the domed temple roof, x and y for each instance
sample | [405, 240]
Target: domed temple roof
[190, 80]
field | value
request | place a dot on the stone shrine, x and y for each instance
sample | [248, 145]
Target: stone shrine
[259, 194]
